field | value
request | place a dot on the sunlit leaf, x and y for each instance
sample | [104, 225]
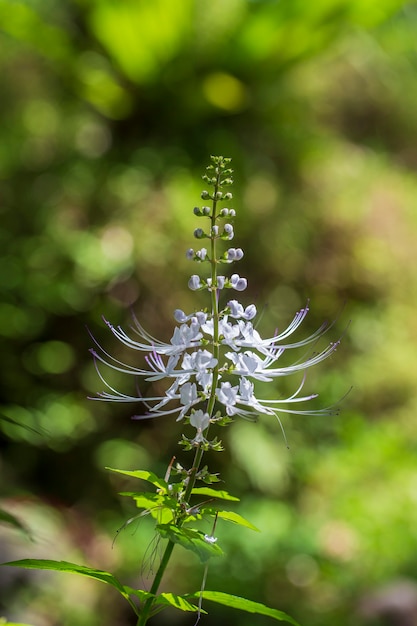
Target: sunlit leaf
[73, 568]
[12, 623]
[230, 516]
[242, 604]
[214, 493]
[179, 602]
[150, 477]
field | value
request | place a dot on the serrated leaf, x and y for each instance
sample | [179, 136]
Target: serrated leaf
[190, 539]
[150, 477]
[242, 604]
[214, 493]
[230, 516]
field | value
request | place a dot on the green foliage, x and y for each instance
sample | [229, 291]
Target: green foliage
[242, 604]
[214, 493]
[72, 568]
[190, 539]
[108, 115]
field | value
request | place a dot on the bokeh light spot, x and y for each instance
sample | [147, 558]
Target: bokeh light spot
[55, 357]
[225, 92]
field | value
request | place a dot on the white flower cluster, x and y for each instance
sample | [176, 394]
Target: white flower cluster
[213, 360]
[189, 365]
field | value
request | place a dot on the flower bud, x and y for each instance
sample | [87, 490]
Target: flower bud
[234, 254]
[228, 231]
[219, 195]
[205, 195]
[224, 212]
[205, 210]
[201, 254]
[189, 254]
[232, 213]
[238, 283]
[228, 196]
[201, 317]
[220, 282]
[250, 312]
[215, 230]
[199, 233]
[194, 283]
[180, 316]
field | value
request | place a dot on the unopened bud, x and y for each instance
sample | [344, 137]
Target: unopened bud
[238, 283]
[201, 254]
[220, 282]
[228, 231]
[194, 283]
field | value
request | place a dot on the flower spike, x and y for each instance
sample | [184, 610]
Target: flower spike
[214, 359]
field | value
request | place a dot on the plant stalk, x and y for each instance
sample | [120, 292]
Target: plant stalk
[147, 607]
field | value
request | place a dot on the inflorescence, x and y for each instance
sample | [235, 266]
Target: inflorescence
[215, 355]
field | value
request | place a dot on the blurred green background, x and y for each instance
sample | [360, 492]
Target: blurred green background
[109, 112]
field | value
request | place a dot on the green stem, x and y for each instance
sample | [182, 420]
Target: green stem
[144, 614]
[147, 607]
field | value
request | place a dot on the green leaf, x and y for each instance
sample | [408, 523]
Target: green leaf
[139, 593]
[73, 568]
[150, 500]
[179, 602]
[3, 621]
[214, 493]
[150, 477]
[190, 539]
[10, 519]
[230, 516]
[235, 602]
[10, 420]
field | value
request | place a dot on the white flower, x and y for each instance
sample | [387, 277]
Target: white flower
[185, 337]
[237, 311]
[201, 421]
[227, 395]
